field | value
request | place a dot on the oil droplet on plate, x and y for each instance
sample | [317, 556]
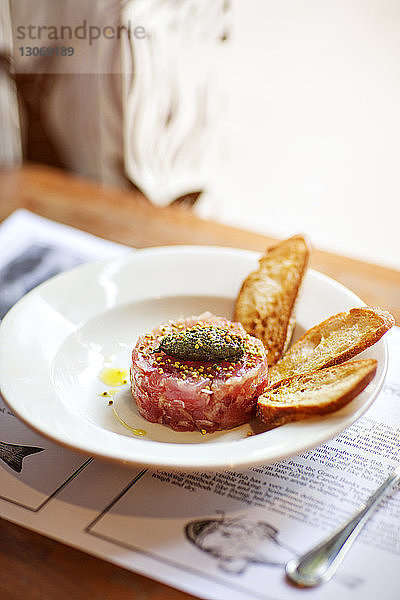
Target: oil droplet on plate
[109, 393]
[138, 432]
[113, 377]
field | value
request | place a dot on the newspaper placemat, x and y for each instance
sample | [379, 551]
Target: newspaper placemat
[213, 534]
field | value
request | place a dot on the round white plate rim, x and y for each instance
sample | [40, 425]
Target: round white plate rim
[252, 454]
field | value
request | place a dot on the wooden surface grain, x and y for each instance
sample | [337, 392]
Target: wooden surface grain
[126, 217]
[35, 567]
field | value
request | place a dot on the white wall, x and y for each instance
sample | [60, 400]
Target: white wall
[312, 124]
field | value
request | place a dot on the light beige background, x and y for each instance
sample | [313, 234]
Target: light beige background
[313, 128]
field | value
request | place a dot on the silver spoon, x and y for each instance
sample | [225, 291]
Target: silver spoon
[320, 563]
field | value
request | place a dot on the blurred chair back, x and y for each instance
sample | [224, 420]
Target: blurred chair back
[10, 134]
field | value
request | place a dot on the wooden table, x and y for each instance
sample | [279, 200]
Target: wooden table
[35, 567]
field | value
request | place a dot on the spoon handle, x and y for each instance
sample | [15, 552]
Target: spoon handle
[320, 563]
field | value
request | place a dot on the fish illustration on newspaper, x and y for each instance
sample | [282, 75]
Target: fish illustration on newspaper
[14, 454]
[237, 543]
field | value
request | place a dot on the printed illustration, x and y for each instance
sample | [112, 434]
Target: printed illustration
[30, 483]
[34, 265]
[236, 543]
[13, 454]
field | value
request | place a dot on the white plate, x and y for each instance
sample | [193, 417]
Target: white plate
[56, 340]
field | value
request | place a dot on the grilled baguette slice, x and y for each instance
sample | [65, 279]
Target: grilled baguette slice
[266, 302]
[333, 341]
[316, 393]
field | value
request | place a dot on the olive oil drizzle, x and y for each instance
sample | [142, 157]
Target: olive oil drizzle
[108, 393]
[117, 377]
[137, 432]
[113, 377]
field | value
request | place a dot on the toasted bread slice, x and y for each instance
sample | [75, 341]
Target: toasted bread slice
[266, 302]
[333, 341]
[317, 393]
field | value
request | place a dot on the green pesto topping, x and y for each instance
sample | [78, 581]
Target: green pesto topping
[207, 344]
